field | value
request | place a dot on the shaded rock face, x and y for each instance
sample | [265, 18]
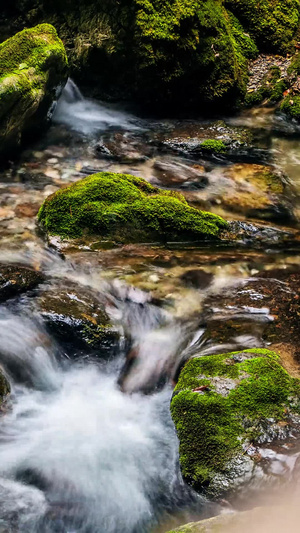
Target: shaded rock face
[126, 209]
[229, 410]
[33, 71]
[16, 279]
[77, 320]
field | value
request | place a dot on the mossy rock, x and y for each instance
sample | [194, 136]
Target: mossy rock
[33, 70]
[224, 404]
[125, 208]
[291, 106]
[272, 23]
[186, 52]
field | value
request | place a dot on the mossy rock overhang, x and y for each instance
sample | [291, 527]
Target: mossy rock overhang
[224, 403]
[33, 71]
[125, 209]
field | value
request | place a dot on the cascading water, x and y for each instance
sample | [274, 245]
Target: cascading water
[76, 453]
[87, 116]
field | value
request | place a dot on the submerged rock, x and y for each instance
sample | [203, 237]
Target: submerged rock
[16, 279]
[226, 408]
[126, 209]
[257, 191]
[33, 70]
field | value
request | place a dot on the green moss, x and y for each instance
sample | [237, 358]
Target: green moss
[212, 425]
[33, 65]
[272, 23]
[247, 46]
[213, 146]
[291, 106]
[189, 44]
[127, 209]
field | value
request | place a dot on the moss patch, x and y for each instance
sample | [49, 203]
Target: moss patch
[127, 209]
[272, 23]
[242, 390]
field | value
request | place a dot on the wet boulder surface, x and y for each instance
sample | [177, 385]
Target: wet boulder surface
[78, 320]
[15, 280]
[230, 411]
[33, 71]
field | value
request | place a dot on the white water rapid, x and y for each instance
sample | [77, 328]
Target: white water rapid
[76, 453]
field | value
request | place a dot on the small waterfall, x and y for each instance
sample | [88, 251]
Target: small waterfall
[89, 117]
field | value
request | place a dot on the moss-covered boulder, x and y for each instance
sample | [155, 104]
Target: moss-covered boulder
[33, 70]
[272, 23]
[125, 208]
[224, 407]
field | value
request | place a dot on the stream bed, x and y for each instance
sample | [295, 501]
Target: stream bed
[82, 448]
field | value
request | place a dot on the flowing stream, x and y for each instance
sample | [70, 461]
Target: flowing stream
[78, 452]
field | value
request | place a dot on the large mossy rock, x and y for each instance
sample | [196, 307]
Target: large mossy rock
[272, 23]
[33, 70]
[125, 208]
[223, 407]
[177, 52]
[186, 52]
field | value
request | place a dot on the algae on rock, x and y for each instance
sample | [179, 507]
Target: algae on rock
[33, 70]
[221, 405]
[126, 209]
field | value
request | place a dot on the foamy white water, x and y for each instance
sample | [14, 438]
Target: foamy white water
[76, 453]
[87, 116]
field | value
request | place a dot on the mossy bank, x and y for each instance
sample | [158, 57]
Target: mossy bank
[223, 405]
[125, 208]
[188, 52]
[33, 70]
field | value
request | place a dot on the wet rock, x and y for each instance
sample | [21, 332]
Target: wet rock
[16, 279]
[78, 320]
[216, 141]
[258, 235]
[172, 173]
[122, 147]
[197, 278]
[257, 191]
[33, 69]
[228, 411]
[27, 210]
